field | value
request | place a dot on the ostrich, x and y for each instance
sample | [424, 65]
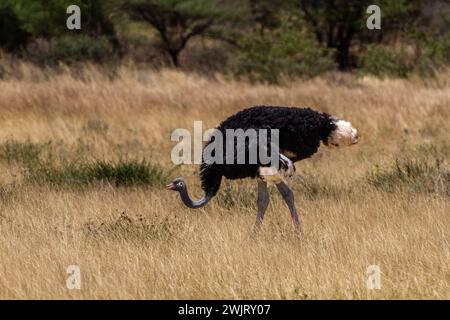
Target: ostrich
[300, 132]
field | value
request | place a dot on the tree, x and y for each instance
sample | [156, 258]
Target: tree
[335, 23]
[265, 13]
[178, 21]
[12, 34]
[338, 23]
[47, 18]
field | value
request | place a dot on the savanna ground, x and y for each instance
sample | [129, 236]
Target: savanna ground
[84, 158]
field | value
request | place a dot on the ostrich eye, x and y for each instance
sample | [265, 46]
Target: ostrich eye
[180, 184]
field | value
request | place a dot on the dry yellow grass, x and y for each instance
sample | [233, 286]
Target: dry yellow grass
[159, 249]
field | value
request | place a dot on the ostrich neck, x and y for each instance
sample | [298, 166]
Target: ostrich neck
[193, 204]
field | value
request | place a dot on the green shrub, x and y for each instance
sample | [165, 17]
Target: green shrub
[45, 163]
[131, 172]
[383, 62]
[281, 53]
[435, 56]
[70, 49]
[22, 153]
[121, 173]
[416, 175]
[82, 47]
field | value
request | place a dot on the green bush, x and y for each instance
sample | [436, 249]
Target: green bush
[81, 47]
[281, 53]
[416, 175]
[22, 153]
[70, 49]
[383, 62]
[45, 163]
[129, 172]
[435, 56]
[121, 173]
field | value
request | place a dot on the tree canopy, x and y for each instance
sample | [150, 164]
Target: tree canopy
[259, 38]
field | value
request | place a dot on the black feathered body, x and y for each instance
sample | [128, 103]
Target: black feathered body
[300, 134]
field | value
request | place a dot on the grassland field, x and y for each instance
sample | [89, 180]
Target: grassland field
[84, 158]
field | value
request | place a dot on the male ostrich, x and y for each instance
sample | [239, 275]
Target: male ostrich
[300, 134]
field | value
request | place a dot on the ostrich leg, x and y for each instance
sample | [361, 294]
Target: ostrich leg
[262, 203]
[288, 197]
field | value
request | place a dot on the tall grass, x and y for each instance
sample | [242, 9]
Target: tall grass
[65, 131]
[137, 230]
[416, 175]
[23, 153]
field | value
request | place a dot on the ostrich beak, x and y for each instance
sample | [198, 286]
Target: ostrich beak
[170, 186]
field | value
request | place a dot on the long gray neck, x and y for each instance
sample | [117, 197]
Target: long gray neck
[193, 204]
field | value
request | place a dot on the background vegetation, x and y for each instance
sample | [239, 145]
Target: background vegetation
[259, 40]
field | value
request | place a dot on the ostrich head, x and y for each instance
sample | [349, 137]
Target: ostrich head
[180, 186]
[177, 184]
[342, 135]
